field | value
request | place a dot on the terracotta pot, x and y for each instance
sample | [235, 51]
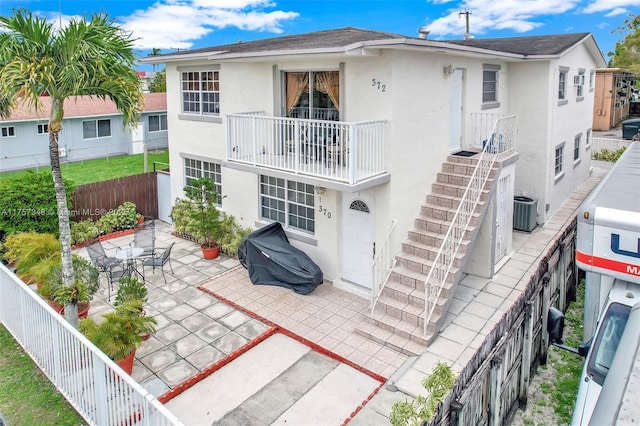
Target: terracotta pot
[210, 252]
[83, 309]
[126, 363]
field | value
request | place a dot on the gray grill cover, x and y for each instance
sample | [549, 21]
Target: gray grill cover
[271, 260]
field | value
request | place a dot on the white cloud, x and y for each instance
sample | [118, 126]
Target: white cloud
[604, 5]
[517, 15]
[175, 24]
[617, 11]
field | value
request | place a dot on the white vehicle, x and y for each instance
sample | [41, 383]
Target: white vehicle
[608, 250]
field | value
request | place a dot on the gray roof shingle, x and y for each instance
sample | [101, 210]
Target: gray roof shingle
[343, 37]
[528, 46]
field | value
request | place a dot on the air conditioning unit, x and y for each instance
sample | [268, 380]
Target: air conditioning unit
[525, 213]
[62, 152]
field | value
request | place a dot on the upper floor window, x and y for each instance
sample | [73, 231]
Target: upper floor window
[8, 132]
[578, 82]
[288, 202]
[562, 85]
[43, 128]
[313, 95]
[201, 92]
[92, 129]
[587, 141]
[592, 79]
[157, 123]
[490, 75]
[196, 169]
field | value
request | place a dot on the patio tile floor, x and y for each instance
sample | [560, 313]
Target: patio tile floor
[208, 309]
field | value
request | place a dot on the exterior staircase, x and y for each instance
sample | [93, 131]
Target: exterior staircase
[398, 319]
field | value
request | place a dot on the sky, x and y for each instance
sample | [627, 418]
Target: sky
[171, 25]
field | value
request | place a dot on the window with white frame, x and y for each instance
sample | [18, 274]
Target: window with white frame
[578, 82]
[196, 169]
[43, 129]
[92, 129]
[8, 131]
[289, 202]
[490, 75]
[201, 92]
[158, 122]
[576, 146]
[562, 84]
[587, 139]
[592, 79]
[558, 159]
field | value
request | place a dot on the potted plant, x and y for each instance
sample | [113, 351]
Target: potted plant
[120, 333]
[33, 254]
[131, 288]
[80, 293]
[205, 224]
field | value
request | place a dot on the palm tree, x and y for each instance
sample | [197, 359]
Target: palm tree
[93, 58]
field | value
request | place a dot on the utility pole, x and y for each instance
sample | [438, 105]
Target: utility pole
[466, 13]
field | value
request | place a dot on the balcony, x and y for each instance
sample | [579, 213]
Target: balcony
[335, 154]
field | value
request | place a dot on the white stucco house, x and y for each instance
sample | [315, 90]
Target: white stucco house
[346, 137]
[91, 128]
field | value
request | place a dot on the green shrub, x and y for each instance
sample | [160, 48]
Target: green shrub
[28, 203]
[124, 217]
[231, 235]
[82, 231]
[439, 383]
[607, 155]
[181, 215]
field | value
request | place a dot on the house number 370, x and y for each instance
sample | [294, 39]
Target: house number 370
[324, 212]
[378, 85]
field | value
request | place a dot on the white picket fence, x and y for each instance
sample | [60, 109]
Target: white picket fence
[93, 384]
[599, 144]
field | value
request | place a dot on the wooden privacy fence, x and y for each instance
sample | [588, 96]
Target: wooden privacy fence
[494, 382]
[95, 199]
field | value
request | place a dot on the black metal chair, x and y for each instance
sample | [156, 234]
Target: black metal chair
[158, 261]
[104, 263]
[145, 238]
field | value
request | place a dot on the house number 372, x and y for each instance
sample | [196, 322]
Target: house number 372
[378, 85]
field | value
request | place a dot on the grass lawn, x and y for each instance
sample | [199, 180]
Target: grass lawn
[27, 397]
[90, 171]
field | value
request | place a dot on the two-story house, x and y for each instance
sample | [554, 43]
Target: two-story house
[91, 128]
[346, 137]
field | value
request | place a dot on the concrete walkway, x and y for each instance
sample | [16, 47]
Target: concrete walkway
[229, 352]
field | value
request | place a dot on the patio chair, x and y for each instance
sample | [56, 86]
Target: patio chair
[145, 238]
[104, 263]
[158, 261]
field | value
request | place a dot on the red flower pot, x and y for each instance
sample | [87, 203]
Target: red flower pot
[210, 252]
[126, 363]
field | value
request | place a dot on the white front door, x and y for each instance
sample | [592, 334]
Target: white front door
[455, 130]
[357, 241]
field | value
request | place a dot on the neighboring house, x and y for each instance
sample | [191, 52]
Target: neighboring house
[91, 128]
[613, 96]
[344, 136]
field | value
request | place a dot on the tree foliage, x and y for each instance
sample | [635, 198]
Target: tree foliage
[92, 57]
[626, 53]
[159, 83]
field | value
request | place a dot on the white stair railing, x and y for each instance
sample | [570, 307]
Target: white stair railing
[502, 139]
[383, 263]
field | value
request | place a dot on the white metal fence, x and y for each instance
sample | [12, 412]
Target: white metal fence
[612, 145]
[93, 384]
[383, 264]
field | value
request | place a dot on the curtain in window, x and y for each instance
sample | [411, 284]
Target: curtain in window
[329, 82]
[296, 83]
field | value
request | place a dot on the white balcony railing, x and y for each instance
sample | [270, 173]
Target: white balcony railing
[93, 384]
[347, 152]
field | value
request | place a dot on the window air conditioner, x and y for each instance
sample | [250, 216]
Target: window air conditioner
[578, 80]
